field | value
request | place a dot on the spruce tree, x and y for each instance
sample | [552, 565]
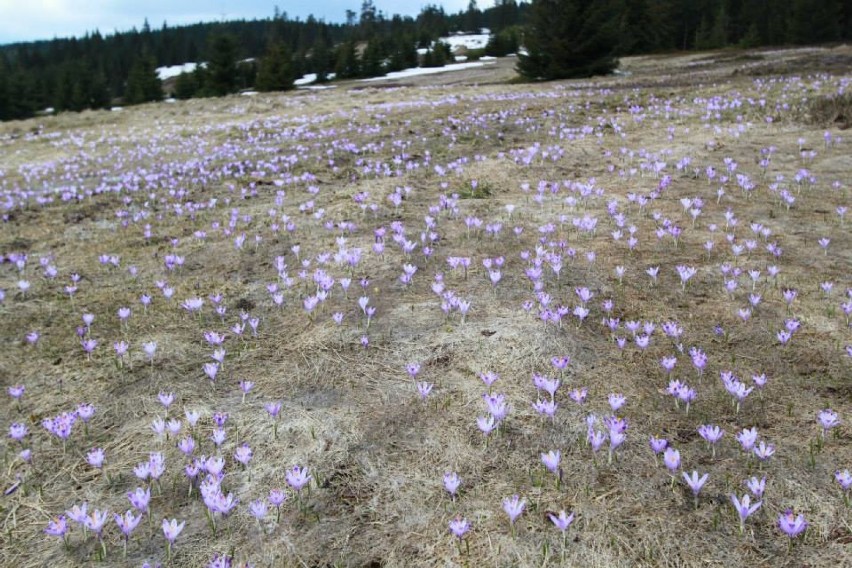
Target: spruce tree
[320, 61]
[5, 95]
[371, 61]
[276, 70]
[143, 85]
[99, 96]
[569, 39]
[186, 86]
[222, 66]
[347, 65]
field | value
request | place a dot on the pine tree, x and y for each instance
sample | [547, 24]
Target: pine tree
[143, 85]
[347, 65]
[186, 86]
[642, 27]
[569, 39]
[5, 95]
[99, 96]
[320, 61]
[276, 70]
[222, 66]
[371, 61]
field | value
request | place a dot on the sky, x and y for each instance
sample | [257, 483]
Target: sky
[29, 20]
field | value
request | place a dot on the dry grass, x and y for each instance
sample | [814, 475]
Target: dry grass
[351, 414]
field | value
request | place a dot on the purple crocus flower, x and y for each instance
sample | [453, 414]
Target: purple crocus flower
[459, 527]
[561, 521]
[756, 486]
[744, 508]
[844, 478]
[171, 530]
[140, 499]
[127, 522]
[514, 506]
[658, 444]
[424, 388]
[551, 460]
[298, 477]
[57, 527]
[671, 457]
[695, 482]
[258, 509]
[790, 524]
[451, 482]
[828, 419]
[96, 458]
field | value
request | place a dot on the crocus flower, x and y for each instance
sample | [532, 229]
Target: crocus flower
[828, 419]
[424, 388]
[486, 424]
[171, 530]
[276, 499]
[243, 454]
[96, 458]
[17, 431]
[695, 483]
[187, 445]
[616, 401]
[671, 457]
[57, 526]
[747, 438]
[658, 444]
[258, 509]
[756, 486]
[562, 521]
[844, 478]
[744, 508]
[166, 399]
[298, 477]
[96, 520]
[712, 434]
[764, 451]
[459, 527]
[791, 525]
[127, 523]
[551, 460]
[140, 499]
[514, 506]
[451, 482]
[77, 513]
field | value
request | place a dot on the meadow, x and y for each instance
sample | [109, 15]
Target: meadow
[450, 320]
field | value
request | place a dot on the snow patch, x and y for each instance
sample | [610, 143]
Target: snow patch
[310, 78]
[467, 41]
[416, 71]
[174, 70]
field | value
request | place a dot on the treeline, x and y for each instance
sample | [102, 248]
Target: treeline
[564, 38]
[602, 30]
[96, 71]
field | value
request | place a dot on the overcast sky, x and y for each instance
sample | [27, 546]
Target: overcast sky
[25, 20]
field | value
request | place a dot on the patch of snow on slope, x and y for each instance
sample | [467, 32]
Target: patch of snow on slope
[174, 70]
[416, 71]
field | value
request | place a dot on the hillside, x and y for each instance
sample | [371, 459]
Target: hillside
[299, 318]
